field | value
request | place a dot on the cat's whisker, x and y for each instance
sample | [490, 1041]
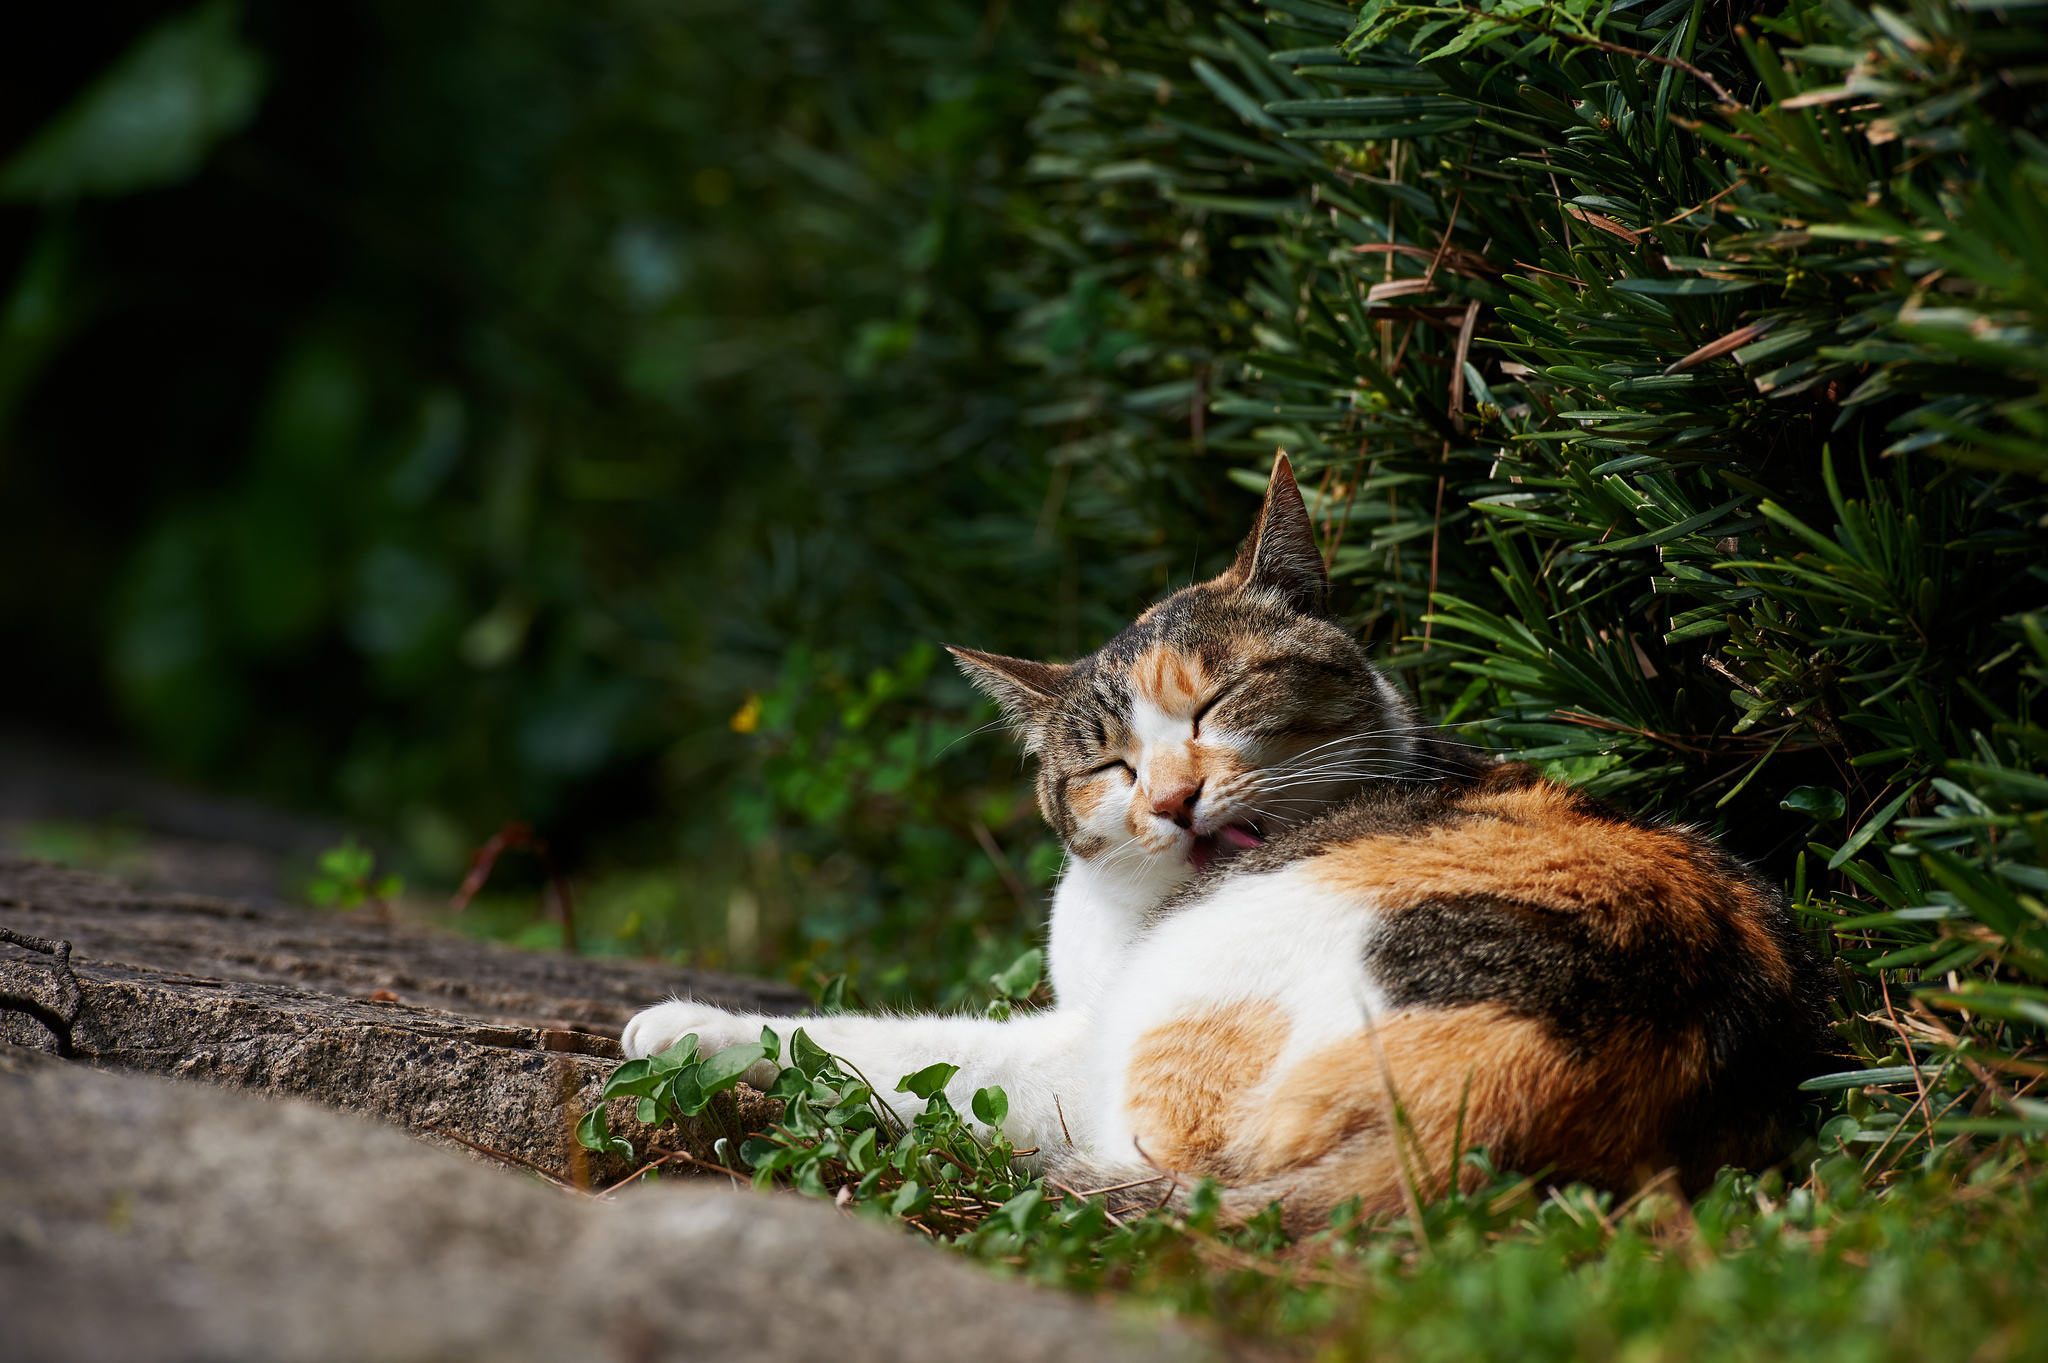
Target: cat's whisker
[1369, 755]
[1332, 743]
[1121, 850]
[1003, 723]
[1360, 760]
[1360, 776]
[1407, 760]
[1428, 728]
[1336, 774]
[1132, 849]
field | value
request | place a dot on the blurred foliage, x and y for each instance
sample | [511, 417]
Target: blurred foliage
[345, 877]
[151, 119]
[518, 388]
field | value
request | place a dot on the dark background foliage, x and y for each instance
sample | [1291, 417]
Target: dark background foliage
[515, 389]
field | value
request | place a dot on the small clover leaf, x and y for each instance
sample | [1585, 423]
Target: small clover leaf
[910, 1199]
[1821, 803]
[991, 1105]
[723, 1070]
[928, 1080]
[807, 1055]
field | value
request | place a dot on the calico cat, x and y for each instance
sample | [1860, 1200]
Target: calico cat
[1288, 909]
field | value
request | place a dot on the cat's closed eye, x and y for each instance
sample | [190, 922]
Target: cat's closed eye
[1207, 706]
[1115, 764]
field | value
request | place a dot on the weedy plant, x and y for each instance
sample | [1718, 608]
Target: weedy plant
[347, 878]
[885, 847]
[834, 1138]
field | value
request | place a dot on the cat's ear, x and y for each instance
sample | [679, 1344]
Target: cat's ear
[1027, 691]
[1281, 552]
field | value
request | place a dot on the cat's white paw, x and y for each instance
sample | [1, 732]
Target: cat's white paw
[654, 1030]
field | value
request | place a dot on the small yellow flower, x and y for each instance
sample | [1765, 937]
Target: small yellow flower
[747, 718]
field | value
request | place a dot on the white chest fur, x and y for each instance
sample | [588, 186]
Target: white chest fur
[1097, 913]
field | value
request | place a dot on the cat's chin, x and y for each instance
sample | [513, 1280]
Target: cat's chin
[1211, 849]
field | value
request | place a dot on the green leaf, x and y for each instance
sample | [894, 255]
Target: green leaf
[1685, 288]
[1849, 1079]
[1021, 976]
[685, 1093]
[1871, 828]
[1357, 107]
[861, 1154]
[723, 1070]
[910, 1199]
[1817, 802]
[927, 1081]
[634, 1079]
[151, 118]
[1241, 104]
[1021, 1210]
[1373, 132]
[771, 1045]
[832, 999]
[855, 1101]
[991, 1105]
[789, 1083]
[807, 1055]
[683, 1052]
[2016, 1002]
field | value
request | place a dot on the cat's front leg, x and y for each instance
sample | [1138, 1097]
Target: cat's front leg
[654, 1030]
[1038, 1060]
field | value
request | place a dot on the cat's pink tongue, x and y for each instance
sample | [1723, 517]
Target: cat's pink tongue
[1206, 851]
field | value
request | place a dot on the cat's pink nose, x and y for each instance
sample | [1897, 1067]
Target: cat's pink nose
[1178, 804]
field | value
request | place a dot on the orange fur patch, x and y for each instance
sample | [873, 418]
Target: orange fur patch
[1189, 1079]
[1171, 679]
[1540, 846]
[1463, 1077]
[1084, 796]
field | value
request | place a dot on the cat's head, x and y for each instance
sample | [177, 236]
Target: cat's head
[1229, 711]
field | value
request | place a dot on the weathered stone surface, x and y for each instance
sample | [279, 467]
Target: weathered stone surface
[220, 939]
[157, 1223]
[183, 985]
